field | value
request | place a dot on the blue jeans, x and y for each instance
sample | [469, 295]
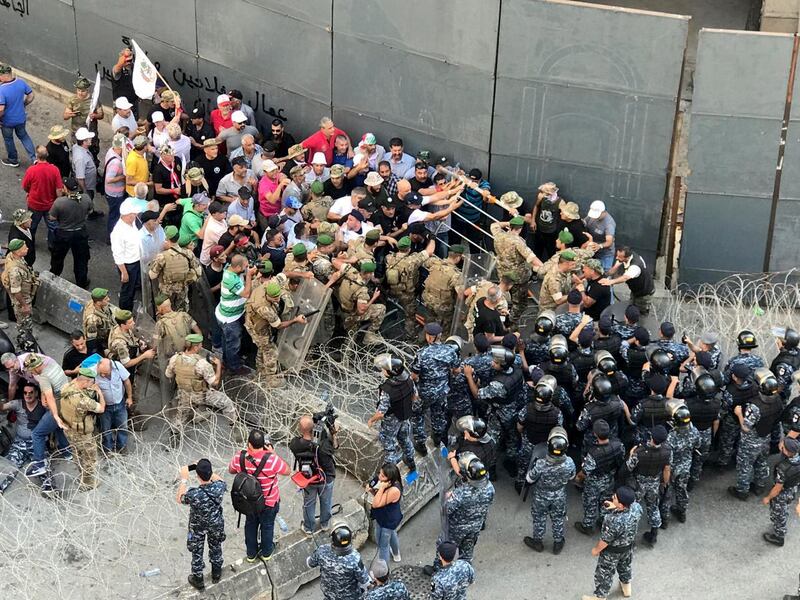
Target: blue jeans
[113, 210]
[310, 494]
[114, 424]
[265, 522]
[231, 343]
[39, 215]
[11, 147]
[41, 433]
[385, 539]
[608, 261]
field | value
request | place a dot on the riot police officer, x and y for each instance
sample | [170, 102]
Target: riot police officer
[677, 351]
[537, 348]
[560, 367]
[383, 589]
[705, 406]
[342, 574]
[607, 364]
[783, 493]
[534, 422]
[634, 353]
[787, 361]
[652, 411]
[603, 405]
[684, 441]
[474, 437]
[746, 342]
[600, 464]
[607, 339]
[451, 581]
[649, 463]
[739, 389]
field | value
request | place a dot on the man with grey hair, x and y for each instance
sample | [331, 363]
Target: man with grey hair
[322, 140]
[114, 179]
[84, 168]
[486, 314]
[248, 150]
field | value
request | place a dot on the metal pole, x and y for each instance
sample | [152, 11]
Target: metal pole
[673, 230]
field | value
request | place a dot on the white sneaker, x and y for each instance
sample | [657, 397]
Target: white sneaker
[395, 557]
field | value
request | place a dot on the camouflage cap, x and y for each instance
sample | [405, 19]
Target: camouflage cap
[594, 264]
[32, 361]
[119, 140]
[15, 244]
[195, 174]
[337, 171]
[167, 96]
[326, 227]
[295, 151]
[140, 142]
[295, 171]
[82, 83]
[57, 132]
[4, 69]
[21, 215]
[166, 150]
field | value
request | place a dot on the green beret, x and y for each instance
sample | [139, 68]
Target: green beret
[99, 293]
[160, 299]
[273, 289]
[368, 266]
[299, 249]
[594, 264]
[565, 237]
[457, 249]
[373, 235]
[510, 275]
[324, 240]
[317, 188]
[517, 221]
[266, 267]
[15, 244]
[171, 232]
[567, 255]
[185, 240]
[194, 338]
[404, 242]
[87, 372]
[123, 315]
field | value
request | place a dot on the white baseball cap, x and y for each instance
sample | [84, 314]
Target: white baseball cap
[269, 166]
[157, 116]
[223, 98]
[130, 207]
[83, 134]
[596, 209]
[238, 117]
[122, 103]
[319, 159]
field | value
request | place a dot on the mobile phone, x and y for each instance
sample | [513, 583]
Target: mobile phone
[193, 467]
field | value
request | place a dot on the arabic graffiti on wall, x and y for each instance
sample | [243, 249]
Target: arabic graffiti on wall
[18, 6]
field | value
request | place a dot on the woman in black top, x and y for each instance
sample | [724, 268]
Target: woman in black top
[387, 491]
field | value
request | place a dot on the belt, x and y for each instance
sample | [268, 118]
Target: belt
[618, 549]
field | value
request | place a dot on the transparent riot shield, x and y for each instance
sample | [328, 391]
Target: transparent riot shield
[477, 267]
[149, 290]
[147, 402]
[310, 299]
[202, 305]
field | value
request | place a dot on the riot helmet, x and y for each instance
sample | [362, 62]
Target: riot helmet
[767, 382]
[602, 388]
[503, 356]
[474, 426]
[558, 349]
[660, 362]
[704, 383]
[557, 444]
[545, 323]
[545, 389]
[471, 466]
[746, 340]
[605, 362]
[456, 341]
[681, 416]
[391, 364]
[341, 538]
[791, 339]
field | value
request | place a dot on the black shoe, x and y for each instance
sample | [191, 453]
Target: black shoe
[518, 487]
[533, 544]
[10, 163]
[664, 522]
[758, 489]
[690, 485]
[197, 582]
[679, 514]
[584, 529]
[558, 547]
[737, 494]
[95, 214]
[216, 575]
[773, 539]
[421, 448]
[510, 466]
[651, 537]
[428, 570]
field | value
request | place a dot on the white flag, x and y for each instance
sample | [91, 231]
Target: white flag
[95, 100]
[144, 74]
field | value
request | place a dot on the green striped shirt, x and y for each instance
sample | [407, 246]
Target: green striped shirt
[231, 303]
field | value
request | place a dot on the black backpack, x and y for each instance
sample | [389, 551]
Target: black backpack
[247, 496]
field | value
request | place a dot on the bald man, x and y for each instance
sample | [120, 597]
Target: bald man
[313, 451]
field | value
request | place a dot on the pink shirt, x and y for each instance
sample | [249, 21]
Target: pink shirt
[267, 186]
[268, 478]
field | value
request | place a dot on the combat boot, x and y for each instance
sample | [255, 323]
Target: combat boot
[533, 544]
[197, 582]
[737, 494]
[651, 537]
[679, 514]
[428, 570]
[584, 529]
[216, 575]
[758, 489]
[773, 539]
[558, 547]
[421, 448]
[626, 589]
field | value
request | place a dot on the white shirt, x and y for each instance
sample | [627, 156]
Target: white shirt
[348, 235]
[631, 271]
[125, 243]
[343, 206]
[182, 147]
[214, 231]
[129, 122]
[311, 177]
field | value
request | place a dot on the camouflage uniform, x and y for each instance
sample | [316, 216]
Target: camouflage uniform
[394, 434]
[323, 270]
[406, 265]
[480, 290]
[393, 590]
[261, 320]
[171, 331]
[98, 323]
[482, 367]
[685, 443]
[466, 508]
[537, 351]
[502, 420]
[598, 486]
[317, 208]
[648, 487]
[751, 459]
[459, 402]
[513, 256]
[122, 345]
[783, 366]
[677, 352]
[353, 290]
[193, 376]
[624, 330]
[443, 284]
[526, 447]
[175, 269]
[729, 428]
[432, 365]
[81, 107]
[342, 576]
[549, 481]
[452, 581]
[778, 506]
[205, 523]
[747, 358]
[360, 250]
[618, 531]
[555, 286]
[551, 264]
[19, 278]
[77, 409]
[298, 266]
[567, 322]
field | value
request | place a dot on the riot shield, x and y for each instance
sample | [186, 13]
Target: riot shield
[202, 305]
[310, 299]
[146, 332]
[477, 267]
[149, 290]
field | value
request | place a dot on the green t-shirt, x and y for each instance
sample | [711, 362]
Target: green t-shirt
[192, 221]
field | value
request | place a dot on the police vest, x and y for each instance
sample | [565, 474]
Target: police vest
[563, 374]
[744, 394]
[548, 216]
[437, 287]
[704, 412]
[791, 359]
[790, 473]
[539, 421]
[611, 343]
[654, 412]
[607, 457]
[610, 411]
[176, 267]
[185, 377]
[512, 382]
[583, 363]
[788, 414]
[642, 285]
[401, 396]
[652, 460]
[637, 357]
[771, 408]
[78, 419]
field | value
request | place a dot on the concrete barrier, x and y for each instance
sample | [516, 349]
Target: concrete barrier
[59, 303]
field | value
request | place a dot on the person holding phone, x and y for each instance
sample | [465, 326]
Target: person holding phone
[387, 490]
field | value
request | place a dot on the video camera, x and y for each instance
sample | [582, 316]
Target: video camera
[324, 418]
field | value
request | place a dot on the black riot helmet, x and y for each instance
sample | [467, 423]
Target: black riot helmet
[660, 362]
[705, 385]
[502, 356]
[471, 466]
[605, 362]
[475, 426]
[602, 388]
[391, 364]
[767, 382]
[681, 417]
[791, 339]
[545, 323]
[746, 340]
[545, 389]
[557, 444]
[794, 422]
[558, 349]
[341, 537]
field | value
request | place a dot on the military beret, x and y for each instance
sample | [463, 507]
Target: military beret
[791, 445]
[265, 267]
[194, 338]
[373, 235]
[625, 495]
[185, 240]
[457, 249]
[404, 242]
[99, 293]
[741, 370]
[565, 237]
[324, 240]
[517, 221]
[368, 266]
[160, 299]
[433, 329]
[87, 372]
[171, 232]
[299, 249]
[567, 255]
[123, 315]
[273, 289]
[15, 244]
[317, 187]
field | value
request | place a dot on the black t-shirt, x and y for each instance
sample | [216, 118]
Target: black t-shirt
[387, 224]
[578, 231]
[281, 147]
[488, 320]
[169, 113]
[225, 239]
[276, 256]
[162, 175]
[214, 170]
[72, 358]
[123, 85]
[58, 155]
[601, 294]
[199, 135]
[417, 185]
[324, 453]
[214, 278]
[328, 189]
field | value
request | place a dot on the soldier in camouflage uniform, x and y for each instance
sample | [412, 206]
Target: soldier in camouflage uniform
[451, 581]
[358, 305]
[444, 283]
[98, 321]
[784, 492]
[402, 276]
[21, 283]
[514, 256]
[787, 361]
[563, 242]
[342, 574]
[465, 509]
[649, 465]
[318, 205]
[297, 263]
[558, 282]
[677, 351]
[80, 401]
[172, 327]
[549, 476]
[206, 521]
[615, 547]
[600, 464]
[397, 399]
[363, 248]
[684, 441]
[383, 589]
[480, 290]
[124, 347]
[431, 370]
[175, 268]
[77, 110]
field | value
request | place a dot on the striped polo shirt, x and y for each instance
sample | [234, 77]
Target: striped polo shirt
[231, 303]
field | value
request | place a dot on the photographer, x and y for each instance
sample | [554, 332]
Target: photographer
[313, 450]
[205, 519]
